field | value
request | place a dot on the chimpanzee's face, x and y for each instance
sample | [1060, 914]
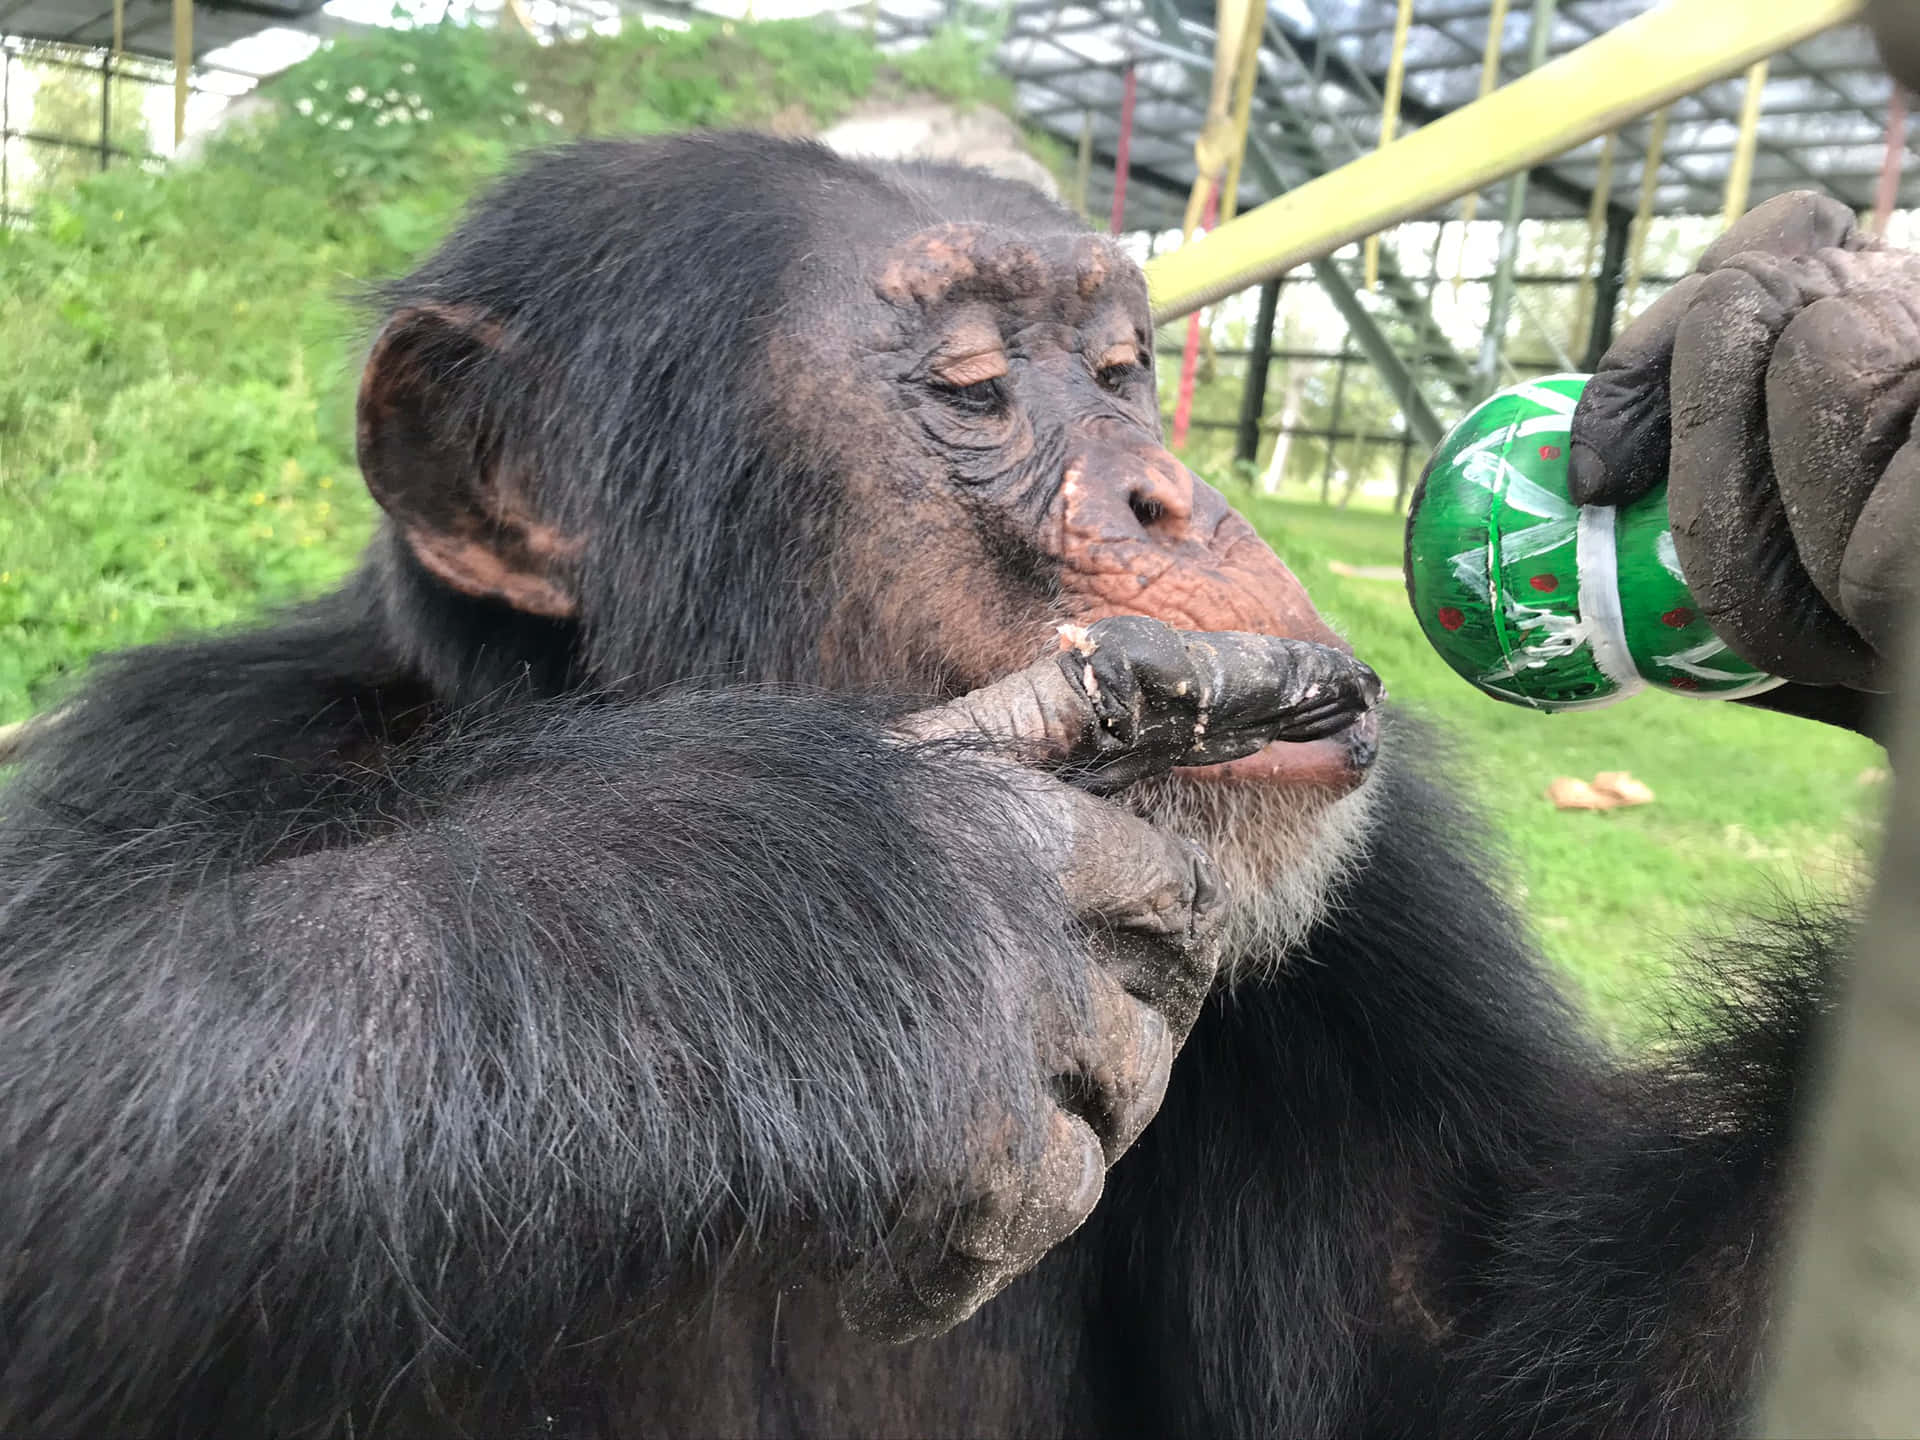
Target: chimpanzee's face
[993, 400]
[989, 395]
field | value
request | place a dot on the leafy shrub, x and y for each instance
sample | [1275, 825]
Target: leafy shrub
[178, 350]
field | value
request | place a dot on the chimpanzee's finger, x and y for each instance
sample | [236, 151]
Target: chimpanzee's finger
[1879, 579]
[1730, 529]
[1621, 425]
[1842, 394]
[1260, 688]
[1165, 697]
[1621, 428]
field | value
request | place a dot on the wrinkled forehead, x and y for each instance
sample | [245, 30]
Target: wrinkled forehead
[1063, 277]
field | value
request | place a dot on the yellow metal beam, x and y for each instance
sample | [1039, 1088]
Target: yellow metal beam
[1596, 239]
[1612, 80]
[1249, 71]
[1489, 80]
[1740, 172]
[182, 66]
[1390, 117]
[1643, 216]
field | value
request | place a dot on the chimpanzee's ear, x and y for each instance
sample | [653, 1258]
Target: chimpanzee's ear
[432, 461]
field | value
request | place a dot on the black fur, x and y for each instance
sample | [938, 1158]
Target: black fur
[414, 1022]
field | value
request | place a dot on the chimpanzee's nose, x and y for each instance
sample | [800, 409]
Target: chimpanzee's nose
[1161, 500]
[1140, 534]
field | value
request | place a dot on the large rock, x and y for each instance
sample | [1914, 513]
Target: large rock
[931, 130]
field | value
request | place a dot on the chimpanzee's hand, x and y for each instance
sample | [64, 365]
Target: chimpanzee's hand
[1130, 699]
[1774, 390]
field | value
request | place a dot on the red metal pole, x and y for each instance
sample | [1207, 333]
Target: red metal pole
[1190, 358]
[1122, 148]
[1896, 155]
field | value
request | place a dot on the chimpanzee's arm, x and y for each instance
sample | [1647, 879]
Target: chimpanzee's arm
[559, 1001]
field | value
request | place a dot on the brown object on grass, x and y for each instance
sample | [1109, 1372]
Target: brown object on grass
[1622, 788]
[1567, 793]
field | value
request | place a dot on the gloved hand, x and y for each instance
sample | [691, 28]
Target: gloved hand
[1774, 390]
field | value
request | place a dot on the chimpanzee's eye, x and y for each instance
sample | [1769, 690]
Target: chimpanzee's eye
[984, 397]
[1119, 377]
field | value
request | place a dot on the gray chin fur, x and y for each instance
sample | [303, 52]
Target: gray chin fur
[1282, 852]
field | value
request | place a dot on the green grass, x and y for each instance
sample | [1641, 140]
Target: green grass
[177, 351]
[1750, 807]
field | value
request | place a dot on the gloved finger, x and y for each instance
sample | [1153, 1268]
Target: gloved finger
[1842, 391]
[1620, 446]
[1879, 579]
[1860, 711]
[1796, 223]
[1730, 530]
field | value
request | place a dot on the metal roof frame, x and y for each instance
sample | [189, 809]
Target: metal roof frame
[1325, 60]
[148, 24]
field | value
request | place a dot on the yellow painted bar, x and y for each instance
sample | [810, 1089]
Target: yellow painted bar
[1243, 82]
[1390, 117]
[1740, 172]
[182, 66]
[1615, 78]
[1643, 217]
[1596, 233]
[1489, 79]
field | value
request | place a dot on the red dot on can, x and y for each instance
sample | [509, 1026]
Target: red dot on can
[1684, 682]
[1545, 584]
[1549, 452]
[1677, 618]
[1450, 618]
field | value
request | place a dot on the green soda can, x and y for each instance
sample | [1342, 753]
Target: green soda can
[1541, 602]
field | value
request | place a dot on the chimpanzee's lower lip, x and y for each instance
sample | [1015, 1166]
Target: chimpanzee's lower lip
[1336, 765]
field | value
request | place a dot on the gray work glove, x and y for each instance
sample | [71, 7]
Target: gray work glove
[1774, 390]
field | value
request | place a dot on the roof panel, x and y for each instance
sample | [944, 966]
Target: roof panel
[148, 24]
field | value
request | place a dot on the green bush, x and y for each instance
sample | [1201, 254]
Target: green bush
[178, 349]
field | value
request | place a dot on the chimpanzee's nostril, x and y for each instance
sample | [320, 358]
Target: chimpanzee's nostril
[1147, 510]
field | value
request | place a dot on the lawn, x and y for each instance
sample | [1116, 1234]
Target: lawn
[1750, 807]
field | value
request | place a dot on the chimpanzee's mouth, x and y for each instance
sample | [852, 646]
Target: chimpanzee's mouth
[1336, 764]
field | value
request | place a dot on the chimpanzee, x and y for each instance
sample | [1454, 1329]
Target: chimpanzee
[699, 912]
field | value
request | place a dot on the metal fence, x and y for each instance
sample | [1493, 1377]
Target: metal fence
[67, 109]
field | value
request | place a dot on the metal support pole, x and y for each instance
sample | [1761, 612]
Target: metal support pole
[182, 66]
[106, 109]
[1649, 193]
[1500, 298]
[119, 26]
[1253, 396]
[1243, 81]
[1489, 78]
[1083, 162]
[1122, 149]
[1599, 214]
[1363, 328]
[1333, 427]
[1740, 172]
[1846, 1323]
[1606, 290]
[6, 132]
[1892, 161]
[1389, 123]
